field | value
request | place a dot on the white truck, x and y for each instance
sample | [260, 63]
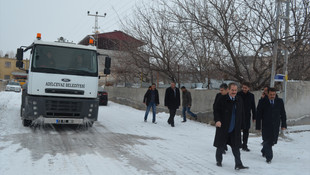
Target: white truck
[62, 83]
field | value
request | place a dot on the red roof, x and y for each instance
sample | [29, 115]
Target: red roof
[115, 35]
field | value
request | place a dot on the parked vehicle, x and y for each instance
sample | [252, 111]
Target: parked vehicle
[62, 83]
[103, 96]
[13, 86]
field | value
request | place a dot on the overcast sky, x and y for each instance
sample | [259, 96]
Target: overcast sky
[20, 20]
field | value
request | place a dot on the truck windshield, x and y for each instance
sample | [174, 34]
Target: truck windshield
[64, 60]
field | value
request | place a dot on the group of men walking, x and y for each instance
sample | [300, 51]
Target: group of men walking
[233, 114]
[172, 102]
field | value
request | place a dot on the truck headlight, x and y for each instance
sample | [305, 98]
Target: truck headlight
[35, 108]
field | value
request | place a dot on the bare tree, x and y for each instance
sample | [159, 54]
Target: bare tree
[233, 38]
[161, 52]
[197, 58]
[299, 62]
[230, 26]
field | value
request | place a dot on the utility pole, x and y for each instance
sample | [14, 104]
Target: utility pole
[285, 17]
[96, 28]
[287, 23]
[275, 47]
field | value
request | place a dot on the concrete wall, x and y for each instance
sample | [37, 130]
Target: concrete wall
[297, 107]
[298, 102]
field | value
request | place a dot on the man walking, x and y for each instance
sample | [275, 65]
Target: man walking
[249, 105]
[223, 91]
[172, 101]
[229, 118]
[187, 103]
[270, 113]
[151, 99]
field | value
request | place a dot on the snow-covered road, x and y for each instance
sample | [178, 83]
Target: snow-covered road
[121, 143]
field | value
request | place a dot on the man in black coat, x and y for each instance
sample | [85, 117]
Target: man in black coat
[229, 119]
[223, 91]
[269, 116]
[172, 101]
[151, 100]
[263, 96]
[249, 105]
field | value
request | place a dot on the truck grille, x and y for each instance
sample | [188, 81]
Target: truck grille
[63, 108]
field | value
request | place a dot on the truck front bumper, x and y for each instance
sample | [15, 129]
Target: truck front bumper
[58, 110]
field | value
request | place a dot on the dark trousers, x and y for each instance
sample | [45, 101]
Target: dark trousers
[267, 150]
[235, 151]
[171, 117]
[245, 138]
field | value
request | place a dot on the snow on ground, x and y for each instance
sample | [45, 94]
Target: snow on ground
[121, 143]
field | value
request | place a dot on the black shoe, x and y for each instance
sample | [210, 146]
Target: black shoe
[184, 121]
[246, 149]
[168, 122]
[155, 122]
[196, 117]
[268, 161]
[145, 120]
[240, 167]
[219, 164]
[172, 125]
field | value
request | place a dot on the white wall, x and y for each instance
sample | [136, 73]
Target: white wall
[297, 106]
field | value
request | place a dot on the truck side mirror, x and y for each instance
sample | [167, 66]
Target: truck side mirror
[107, 63]
[19, 54]
[107, 71]
[19, 64]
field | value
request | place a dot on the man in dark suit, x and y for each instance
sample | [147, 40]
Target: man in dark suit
[260, 101]
[151, 100]
[269, 116]
[172, 101]
[249, 106]
[223, 91]
[229, 118]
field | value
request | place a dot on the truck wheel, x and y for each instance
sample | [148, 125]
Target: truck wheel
[27, 123]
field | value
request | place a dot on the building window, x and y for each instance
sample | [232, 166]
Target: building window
[8, 64]
[7, 77]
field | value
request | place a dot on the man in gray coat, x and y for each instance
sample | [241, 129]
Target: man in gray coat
[187, 103]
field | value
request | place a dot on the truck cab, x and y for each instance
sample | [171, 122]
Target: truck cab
[62, 84]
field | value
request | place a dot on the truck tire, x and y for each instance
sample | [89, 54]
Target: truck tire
[26, 123]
